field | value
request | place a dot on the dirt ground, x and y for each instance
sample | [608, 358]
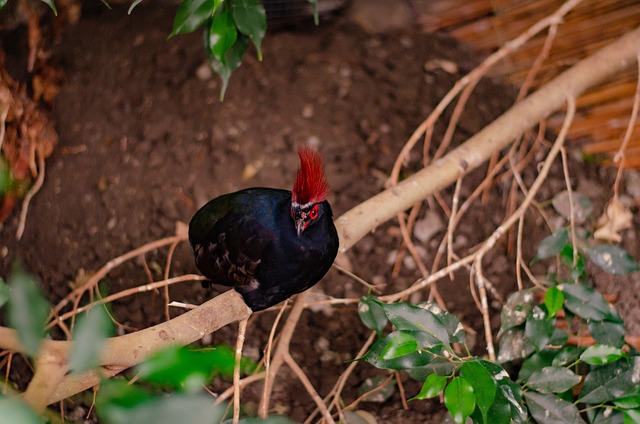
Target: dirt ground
[144, 141]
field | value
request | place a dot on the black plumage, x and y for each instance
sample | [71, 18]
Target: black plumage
[262, 243]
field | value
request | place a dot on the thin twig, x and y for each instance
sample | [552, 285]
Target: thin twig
[242, 330]
[283, 347]
[106, 268]
[167, 270]
[125, 293]
[288, 359]
[619, 156]
[452, 221]
[572, 209]
[267, 357]
[508, 48]
[497, 234]
[32, 192]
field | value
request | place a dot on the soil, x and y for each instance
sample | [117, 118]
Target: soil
[144, 141]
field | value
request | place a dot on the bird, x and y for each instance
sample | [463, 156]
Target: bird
[267, 243]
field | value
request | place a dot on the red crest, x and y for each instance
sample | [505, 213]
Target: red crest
[311, 184]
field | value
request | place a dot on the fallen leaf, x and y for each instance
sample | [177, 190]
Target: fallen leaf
[616, 218]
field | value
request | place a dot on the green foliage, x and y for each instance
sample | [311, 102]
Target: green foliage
[4, 292]
[372, 313]
[251, 20]
[119, 402]
[93, 328]
[612, 259]
[549, 370]
[459, 399]
[52, 5]
[432, 387]
[15, 410]
[229, 25]
[191, 15]
[27, 309]
[183, 368]
[423, 345]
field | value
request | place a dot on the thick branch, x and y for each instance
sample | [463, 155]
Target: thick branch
[131, 349]
[360, 220]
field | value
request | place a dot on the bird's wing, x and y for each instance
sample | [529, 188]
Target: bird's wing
[232, 251]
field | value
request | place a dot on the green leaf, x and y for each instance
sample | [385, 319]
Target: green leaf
[459, 399]
[607, 333]
[551, 245]
[432, 387]
[605, 415]
[417, 358]
[175, 408]
[499, 412]
[89, 337]
[133, 6]
[587, 303]
[52, 5]
[629, 402]
[118, 395]
[567, 356]
[438, 365]
[601, 354]
[4, 292]
[316, 15]
[582, 206]
[484, 386]
[550, 409]
[374, 391]
[534, 363]
[222, 34]
[15, 410]
[517, 308]
[631, 416]
[553, 300]
[190, 15]
[553, 380]
[28, 310]
[610, 381]
[514, 345]
[509, 391]
[185, 368]
[538, 329]
[452, 324]
[400, 344]
[372, 314]
[408, 317]
[566, 257]
[232, 60]
[251, 19]
[612, 259]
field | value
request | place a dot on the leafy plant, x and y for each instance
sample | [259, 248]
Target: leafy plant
[228, 27]
[559, 380]
[182, 371]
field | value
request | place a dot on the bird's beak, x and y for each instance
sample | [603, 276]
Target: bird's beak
[299, 226]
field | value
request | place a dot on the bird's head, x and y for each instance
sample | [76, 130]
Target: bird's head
[309, 190]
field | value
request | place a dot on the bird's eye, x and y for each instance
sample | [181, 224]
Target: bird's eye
[313, 214]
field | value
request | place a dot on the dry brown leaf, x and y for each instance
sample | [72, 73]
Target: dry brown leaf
[616, 218]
